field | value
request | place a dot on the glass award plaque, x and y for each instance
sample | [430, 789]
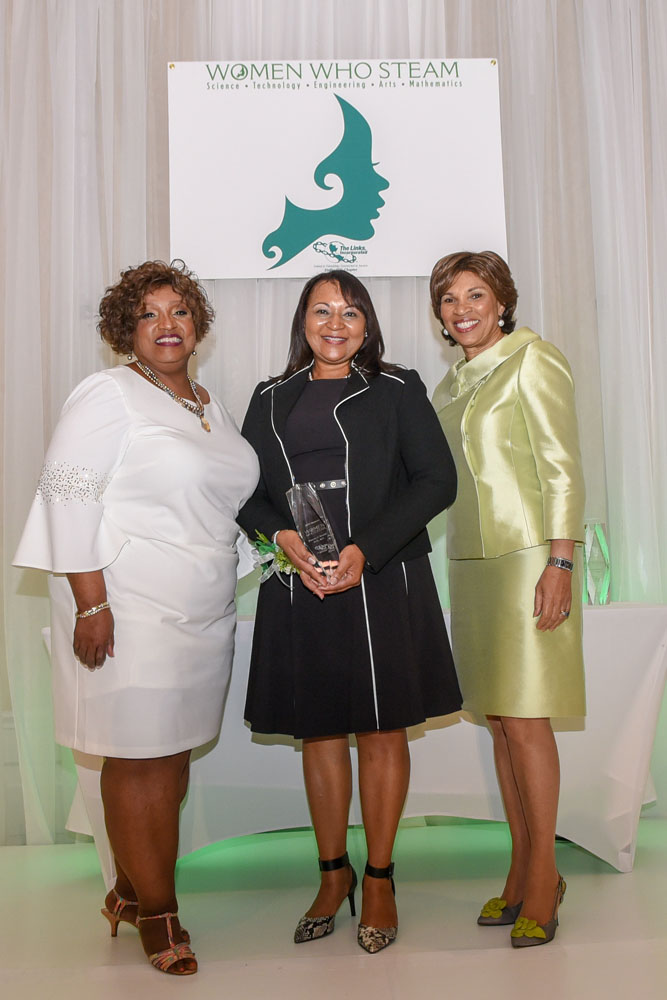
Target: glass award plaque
[313, 525]
[597, 568]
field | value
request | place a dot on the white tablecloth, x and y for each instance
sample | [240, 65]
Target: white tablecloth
[247, 784]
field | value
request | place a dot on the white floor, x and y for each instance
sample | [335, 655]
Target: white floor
[240, 901]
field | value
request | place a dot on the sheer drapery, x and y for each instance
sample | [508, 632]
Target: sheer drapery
[84, 173]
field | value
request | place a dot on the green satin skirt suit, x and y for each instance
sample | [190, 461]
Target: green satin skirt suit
[510, 420]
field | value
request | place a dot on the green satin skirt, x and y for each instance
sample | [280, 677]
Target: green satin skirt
[504, 664]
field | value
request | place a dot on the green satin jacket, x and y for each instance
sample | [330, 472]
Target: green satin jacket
[511, 424]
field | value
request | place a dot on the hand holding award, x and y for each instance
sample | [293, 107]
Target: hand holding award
[313, 526]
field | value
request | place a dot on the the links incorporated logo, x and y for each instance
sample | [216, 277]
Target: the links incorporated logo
[342, 253]
[351, 217]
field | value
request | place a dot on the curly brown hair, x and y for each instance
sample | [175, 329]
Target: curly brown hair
[122, 303]
[488, 266]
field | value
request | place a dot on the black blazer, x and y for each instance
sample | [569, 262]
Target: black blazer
[399, 469]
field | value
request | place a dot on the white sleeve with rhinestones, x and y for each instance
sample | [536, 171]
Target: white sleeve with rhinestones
[67, 530]
[62, 482]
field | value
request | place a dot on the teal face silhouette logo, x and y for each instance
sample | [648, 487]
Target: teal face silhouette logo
[351, 217]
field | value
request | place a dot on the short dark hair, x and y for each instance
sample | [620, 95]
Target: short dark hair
[369, 356]
[488, 266]
[122, 302]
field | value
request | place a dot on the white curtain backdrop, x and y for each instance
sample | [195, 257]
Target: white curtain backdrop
[84, 188]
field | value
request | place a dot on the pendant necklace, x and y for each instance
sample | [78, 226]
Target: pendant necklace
[196, 408]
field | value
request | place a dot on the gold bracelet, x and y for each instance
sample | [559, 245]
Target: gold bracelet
[93, 611]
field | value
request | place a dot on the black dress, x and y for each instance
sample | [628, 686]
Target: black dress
[374, 657]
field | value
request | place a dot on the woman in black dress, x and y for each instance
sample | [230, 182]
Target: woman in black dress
[363, 650]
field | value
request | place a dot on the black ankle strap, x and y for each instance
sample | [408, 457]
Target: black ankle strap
[334, 864]
[380, 872]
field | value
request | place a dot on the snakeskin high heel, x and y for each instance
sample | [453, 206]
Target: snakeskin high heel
[497, 912]
[527, 933]
[165, 960]
[311, 928]
[374, 939]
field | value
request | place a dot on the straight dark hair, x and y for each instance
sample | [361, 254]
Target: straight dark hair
[369, 356]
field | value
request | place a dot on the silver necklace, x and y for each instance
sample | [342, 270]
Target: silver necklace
[311, 379]
[196, 408]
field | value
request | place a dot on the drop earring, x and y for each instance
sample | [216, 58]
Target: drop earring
[130, 356]
[193, 353]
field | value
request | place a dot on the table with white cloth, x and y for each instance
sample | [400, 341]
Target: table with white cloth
[247, 784]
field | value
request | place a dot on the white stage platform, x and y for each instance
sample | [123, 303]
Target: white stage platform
[241, 898]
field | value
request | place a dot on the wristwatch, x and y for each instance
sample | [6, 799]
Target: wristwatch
[560, 563]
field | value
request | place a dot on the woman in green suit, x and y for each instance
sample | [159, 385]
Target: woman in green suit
[507, 408]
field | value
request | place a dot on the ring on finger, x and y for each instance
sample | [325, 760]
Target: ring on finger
[565, 614]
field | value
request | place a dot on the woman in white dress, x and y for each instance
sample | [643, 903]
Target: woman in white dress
[134, 516]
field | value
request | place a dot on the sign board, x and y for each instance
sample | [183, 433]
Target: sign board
[280, 169]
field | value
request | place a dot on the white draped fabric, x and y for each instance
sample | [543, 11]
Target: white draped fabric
[604, 767]
[84, 175]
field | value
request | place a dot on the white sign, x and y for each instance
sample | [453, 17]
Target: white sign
[280, 169]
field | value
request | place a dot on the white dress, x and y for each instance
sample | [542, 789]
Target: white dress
[134, 486]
